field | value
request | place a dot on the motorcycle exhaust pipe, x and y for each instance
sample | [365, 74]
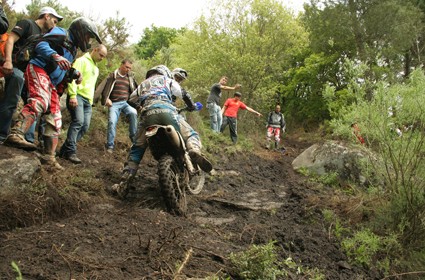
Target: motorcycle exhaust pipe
[173, 136]
[178, 145]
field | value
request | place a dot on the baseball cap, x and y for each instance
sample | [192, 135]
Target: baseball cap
[238, 94]
[50, 10]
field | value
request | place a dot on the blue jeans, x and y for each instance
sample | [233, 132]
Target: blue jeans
[30, 134]
[114, 115]
[216, 118]
[8, 103]
[80, 123]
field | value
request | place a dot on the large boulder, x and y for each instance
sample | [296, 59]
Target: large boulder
[347, 160]
[17, 168]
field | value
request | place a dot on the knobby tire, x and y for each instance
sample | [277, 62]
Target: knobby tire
[172, 186]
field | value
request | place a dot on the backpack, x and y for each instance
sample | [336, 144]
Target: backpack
[25, 52]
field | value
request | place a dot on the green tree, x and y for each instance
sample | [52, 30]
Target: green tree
[377, 33]
[251, 41]
[115, 34]
[155, 39]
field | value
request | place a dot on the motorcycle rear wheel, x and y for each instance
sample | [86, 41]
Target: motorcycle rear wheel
[196, 183]
[173, 185]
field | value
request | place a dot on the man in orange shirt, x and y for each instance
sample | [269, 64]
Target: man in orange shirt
[230, 111]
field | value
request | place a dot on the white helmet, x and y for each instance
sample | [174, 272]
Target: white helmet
[179, 72]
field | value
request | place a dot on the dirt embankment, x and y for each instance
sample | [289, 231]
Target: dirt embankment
[252, 198]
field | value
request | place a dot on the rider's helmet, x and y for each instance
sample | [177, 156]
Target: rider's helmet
[82, 29]
[179, 73]
[159, 70]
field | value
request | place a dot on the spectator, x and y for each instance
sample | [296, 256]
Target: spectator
[275, 126]
[230, 111]
[115, 93]
[46, 75]
[79, 101]
[14, 87]
[357, 133]
[4, 22]
[213, 102]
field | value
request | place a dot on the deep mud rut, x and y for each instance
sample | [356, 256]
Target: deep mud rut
[249, 199]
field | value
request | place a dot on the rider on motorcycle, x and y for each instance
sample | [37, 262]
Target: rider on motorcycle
[155, 98]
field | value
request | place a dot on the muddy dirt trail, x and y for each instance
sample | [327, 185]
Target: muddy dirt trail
[249, 199]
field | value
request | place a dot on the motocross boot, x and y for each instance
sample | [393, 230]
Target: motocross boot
[193, 145]
[16, 137]
[198, 158]
[123, 188]
[49, 151]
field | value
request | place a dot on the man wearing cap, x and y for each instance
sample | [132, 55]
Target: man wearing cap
[230, 111]
[23, 30]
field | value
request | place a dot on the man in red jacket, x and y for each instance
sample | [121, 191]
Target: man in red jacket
[230, 111]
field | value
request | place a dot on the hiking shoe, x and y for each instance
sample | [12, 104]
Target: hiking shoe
[201, 161]
[51, 162]
[18, 141]
[72, 157]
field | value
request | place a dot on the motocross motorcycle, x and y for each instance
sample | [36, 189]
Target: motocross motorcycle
[178, 175]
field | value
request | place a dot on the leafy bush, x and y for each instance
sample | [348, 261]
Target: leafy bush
[258, 262]
[334, 223]
[370, 250]
[362, 247]
[392, 120]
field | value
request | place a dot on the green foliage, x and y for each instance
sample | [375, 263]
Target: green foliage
[397, 107]
[17, 270]
[303, 171]
[302, 89]
[393, 122]
[370, 250]
[382, 34]
[115, 34]
[155, 39]
[312, 274]
[261, 262]
[329, 179]
[378, 31]
[250, 41]
[334, 223]
[362, 247]
[258, 262]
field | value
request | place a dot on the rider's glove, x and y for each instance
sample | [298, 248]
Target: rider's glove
[198, 106]
[62, 62]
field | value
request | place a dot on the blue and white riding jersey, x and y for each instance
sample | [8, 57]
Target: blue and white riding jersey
[157, 88]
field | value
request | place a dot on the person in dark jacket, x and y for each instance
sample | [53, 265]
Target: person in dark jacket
[115, 92]
[275, 126]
